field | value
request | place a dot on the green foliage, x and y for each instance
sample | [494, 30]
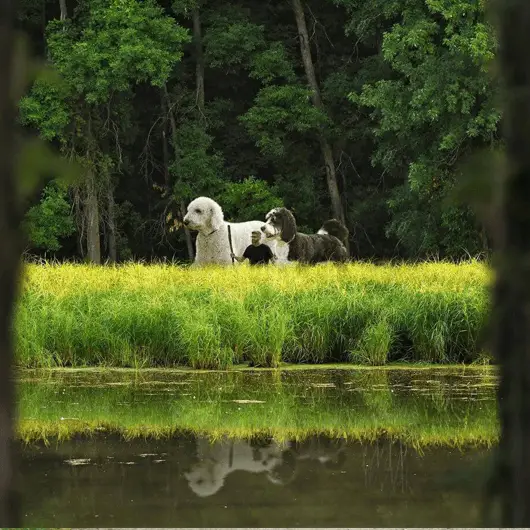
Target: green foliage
[231, 38]
[437, 102]
[196, 170]
[51, 220]
[121, 43]
[106, 50]
[280, 111]
[272, 64]
[249, 199]
[48, 107]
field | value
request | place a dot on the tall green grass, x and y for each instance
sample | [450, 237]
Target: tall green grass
[161, 315]
[420, 407]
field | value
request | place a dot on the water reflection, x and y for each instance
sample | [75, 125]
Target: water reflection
[218, 460]
[421, 407]
[279, 462]
[188, 481]
[287, 449]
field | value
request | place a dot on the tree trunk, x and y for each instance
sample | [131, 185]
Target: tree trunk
[92, 215]
[511, 314]
[64, 10]
[167, 182]
[91, 205]
[10, 249]
[173, 124]
[111, 224]
[327, 152]
[80, 220]
[199, 59]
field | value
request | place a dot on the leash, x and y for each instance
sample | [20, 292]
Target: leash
[230, 242]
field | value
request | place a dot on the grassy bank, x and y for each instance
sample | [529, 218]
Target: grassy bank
[138, 316]
[439, 407]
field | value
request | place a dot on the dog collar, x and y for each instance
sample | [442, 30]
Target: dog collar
[208, 235]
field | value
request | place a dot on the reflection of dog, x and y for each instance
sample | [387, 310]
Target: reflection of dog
[214, 240]
[326, 245]
[279, 462]
[219, 459]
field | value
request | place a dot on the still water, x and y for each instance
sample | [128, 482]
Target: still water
[187, 479]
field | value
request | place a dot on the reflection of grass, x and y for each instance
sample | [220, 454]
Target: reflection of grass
[138, 316]
[420, 408]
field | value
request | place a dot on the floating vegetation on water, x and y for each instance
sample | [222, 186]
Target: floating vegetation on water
[78, 461]
[438, 407]
[146, 316]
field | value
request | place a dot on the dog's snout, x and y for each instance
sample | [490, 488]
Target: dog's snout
[186, 222]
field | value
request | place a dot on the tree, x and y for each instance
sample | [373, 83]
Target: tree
[435, 104]
[101, 54]
[327, 152]
[511, 319]
[9, 264]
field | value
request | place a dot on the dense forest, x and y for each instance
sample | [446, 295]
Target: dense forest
[363, 110]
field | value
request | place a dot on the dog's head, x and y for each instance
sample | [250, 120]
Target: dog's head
[280, 224]
[205, 479]
[203, 215]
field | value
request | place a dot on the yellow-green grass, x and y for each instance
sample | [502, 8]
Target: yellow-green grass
[421, 408]
[163, 315]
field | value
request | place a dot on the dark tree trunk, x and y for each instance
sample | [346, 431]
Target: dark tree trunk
[511, 314]
[91, 206]
[199, 59]
[165, 153]
[80, 220]
[327, 152]
[10, 249]
[182, 206]
[92, 215]
[111, 224]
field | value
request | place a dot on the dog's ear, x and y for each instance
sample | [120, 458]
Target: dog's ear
[216, 216]
[288, 224]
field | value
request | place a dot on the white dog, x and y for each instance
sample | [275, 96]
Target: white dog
[217, 239]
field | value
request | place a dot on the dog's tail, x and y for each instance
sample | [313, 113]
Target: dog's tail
[335, 228]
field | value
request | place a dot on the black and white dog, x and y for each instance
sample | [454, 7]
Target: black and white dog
[326, 245]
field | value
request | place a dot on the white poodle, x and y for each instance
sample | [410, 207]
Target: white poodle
[213, 244]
